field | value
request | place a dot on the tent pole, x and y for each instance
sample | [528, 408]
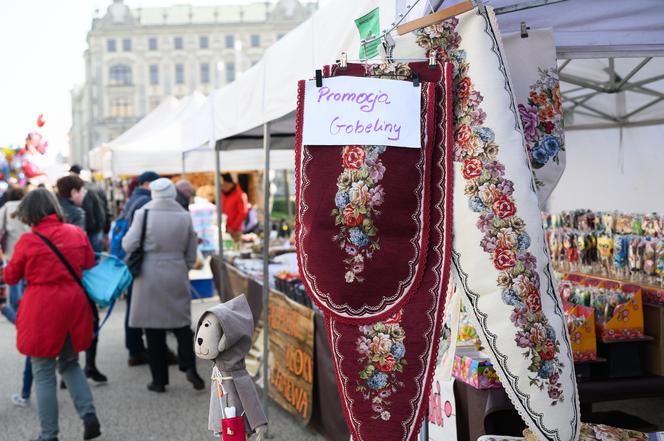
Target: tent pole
[218, 203]
[289, 211]
[266, 260]
[184, 170]
[216, 148]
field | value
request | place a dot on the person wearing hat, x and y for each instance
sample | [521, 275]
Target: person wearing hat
[161, 298]
[134, 337]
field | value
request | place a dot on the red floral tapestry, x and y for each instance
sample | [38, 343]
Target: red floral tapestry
[363, 221]
[385, 362]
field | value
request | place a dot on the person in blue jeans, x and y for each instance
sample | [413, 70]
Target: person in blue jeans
[10, 310]
[11, 230]
[55, 321]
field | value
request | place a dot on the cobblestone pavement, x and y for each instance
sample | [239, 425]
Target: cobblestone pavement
[126, 409]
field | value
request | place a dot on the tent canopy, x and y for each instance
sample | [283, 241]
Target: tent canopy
[582, 29]
[601, 88]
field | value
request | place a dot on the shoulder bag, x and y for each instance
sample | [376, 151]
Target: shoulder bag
[135, 259]
[103, 283]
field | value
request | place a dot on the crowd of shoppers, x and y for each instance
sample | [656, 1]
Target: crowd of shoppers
[48, 237]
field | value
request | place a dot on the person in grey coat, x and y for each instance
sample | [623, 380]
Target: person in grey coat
[161, 299]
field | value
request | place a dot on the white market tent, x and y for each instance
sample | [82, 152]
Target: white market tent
[155, 143]
[147, 123]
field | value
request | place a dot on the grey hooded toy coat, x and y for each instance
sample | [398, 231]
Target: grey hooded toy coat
[237, 325]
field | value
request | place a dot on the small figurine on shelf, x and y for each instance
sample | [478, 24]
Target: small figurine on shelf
[224, 335]
[581, 247]
[660, 258]
[571, 252]
[649, 257]
[650, 225]
[609, 223]
[620, 250]
[605, 249]
[637, 225]
[555, 247]
[635, 256]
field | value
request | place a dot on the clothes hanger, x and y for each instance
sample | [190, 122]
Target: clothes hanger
[435, 17]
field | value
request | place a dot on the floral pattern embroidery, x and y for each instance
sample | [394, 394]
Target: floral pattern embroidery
[490, 194]
[358, 197]
[600, 432]
[542, 120]
[383, 354]
[390, 70]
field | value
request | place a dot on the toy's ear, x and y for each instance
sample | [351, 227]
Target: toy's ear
[222, 342]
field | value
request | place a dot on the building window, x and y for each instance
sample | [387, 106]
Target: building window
[121, 107]
[229, 41]
[255, 40]
[205, 73]
[110, 45]
[120, 75]
[154, 74]
[152, 44]
[126, 44]
[154, 102]
[204, 42]
[179, 74]
[230, 72]
[178, 43]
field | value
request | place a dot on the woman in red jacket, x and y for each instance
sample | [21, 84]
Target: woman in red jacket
[235, 205]
[54, 322]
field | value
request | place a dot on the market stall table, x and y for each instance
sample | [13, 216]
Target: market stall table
[489, 411]
[327, 415]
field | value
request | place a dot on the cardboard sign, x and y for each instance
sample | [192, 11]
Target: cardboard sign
[362, 111]
[442, 411]
[291, 355]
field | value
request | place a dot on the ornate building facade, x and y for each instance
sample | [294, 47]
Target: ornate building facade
[137, 57]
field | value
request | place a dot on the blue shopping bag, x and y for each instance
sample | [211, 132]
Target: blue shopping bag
[107, 280]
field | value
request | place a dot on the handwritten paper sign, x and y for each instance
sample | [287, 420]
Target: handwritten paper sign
[291, 351]
[362, 111]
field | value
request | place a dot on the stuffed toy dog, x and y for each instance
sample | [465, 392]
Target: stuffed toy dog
[224, 335]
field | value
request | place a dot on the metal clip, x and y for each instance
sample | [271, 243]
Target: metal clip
[433, 59]
[388, 45]
[319, 78]
[524, 30]
[343, 61]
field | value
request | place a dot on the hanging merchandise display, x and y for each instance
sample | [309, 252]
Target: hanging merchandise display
[384, 357]
[531, 54]
[367, 206]
[628, 247]
[500, 256]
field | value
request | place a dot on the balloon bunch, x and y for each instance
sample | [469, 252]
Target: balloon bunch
[16, 162]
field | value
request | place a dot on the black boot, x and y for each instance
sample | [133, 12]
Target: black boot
[159, 388]
[91, 370]
[137, 360]
[195, 379]
[91, 426]
[94, 374]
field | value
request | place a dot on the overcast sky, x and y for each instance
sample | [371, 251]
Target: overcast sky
[41, 59]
